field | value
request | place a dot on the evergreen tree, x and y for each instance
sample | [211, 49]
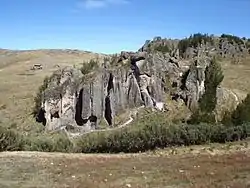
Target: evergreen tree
[213, 77]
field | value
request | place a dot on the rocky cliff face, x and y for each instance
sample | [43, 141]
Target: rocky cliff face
[78, 102]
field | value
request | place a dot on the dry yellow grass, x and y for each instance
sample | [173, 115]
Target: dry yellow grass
[237, 75]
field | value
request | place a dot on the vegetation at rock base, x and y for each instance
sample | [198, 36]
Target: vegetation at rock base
[148, 133]
[39, 96]
[207, 103]
[11, 140]
[151, 135]
[49, 143]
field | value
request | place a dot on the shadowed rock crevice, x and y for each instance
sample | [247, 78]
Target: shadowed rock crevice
[92, 118]
[93, 121]
[107, 107]
[40, 118]
[136, 71]
[54, 114]
[108, 111]
[110, 83]
[78, 112]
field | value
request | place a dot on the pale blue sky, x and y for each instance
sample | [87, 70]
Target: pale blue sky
[110, 26]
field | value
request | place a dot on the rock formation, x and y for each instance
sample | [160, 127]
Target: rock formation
[225, 46]
[77, 101]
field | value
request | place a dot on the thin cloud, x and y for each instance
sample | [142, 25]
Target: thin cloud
[89, 4]
[93, 4]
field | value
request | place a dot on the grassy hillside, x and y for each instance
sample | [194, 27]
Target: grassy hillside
[237, 75]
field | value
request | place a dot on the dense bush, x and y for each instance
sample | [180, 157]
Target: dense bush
[233, 39]
[194, 41]
[147, 134]
[152, 135]
[46, 143]
[10, 140]
[207, 103]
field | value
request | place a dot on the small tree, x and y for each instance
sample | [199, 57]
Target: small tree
[213, 78]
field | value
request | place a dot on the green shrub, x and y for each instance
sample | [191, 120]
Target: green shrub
[146, 134]
[162, 48]
[39, 96]
[40, 143]
[87, 67]
[199, 116]
[153, 135]
[227, 119]
[155, 132]
[46, 143]
[10, 140]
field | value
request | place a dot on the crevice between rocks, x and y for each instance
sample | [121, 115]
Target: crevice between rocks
[40, 118]
[108, 110]
[78, 115]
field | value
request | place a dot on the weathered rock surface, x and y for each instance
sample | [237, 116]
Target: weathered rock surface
[82, 101]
